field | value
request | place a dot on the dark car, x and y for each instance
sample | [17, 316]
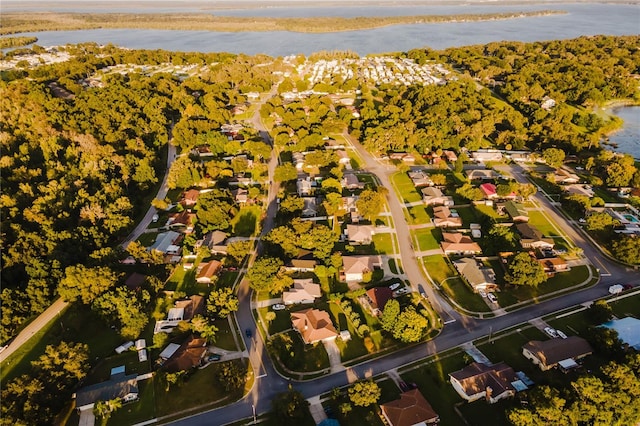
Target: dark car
[213, 357]
[627, 286]
[248, 333]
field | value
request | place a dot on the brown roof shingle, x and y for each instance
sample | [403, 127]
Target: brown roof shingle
[412, 408]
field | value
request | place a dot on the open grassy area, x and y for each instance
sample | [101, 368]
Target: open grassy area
[489, 211]
[418, 215]
[281, 323]
[138, 411]
[383, 243]
[246, 222]
[224, 336]
[404, 185]
[438, 268]
[147, 238]
[561, 281]
[428, 238]
[462, 294]
[226, 279]
[540, 221]
[433, 381]
[295, 355]
[467, 214]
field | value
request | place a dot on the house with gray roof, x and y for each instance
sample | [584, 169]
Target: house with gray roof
[119, 385]
[478, 278]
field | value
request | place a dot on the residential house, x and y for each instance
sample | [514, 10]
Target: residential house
[240, 195]
[532, 238]
[479, 278]
[450, 155]
[564, 176]
[360, 234]
[355, 266]
[553, 265]
[445, 218]
[303, 291]
[550, 353]
[433, 196]
[310, 208]
[408, 159]
[182, 221]
[314, 325]
[191, 307]
[397, 155]
[477, 381]
[579, 189]
[135, 281]
[207, 271]
[457, 243]
[420, 178]
[304, 187]
[190, 354]
[375, 299]
[303, 262]
[516, 211]
[486, 156]
[520, 156]
[298, 160]
[351, 181]
[214, 241]
[119, 385]
[190, 197]
[547, 103]
[343, 157]
[166, 243]
[489, 191]
[481, 174]
[411, 409]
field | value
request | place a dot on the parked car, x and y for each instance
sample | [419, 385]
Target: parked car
[627, 286]
[394, 286]
[214, 357]
[248, 333]
[551, 332]
[278, 307]
[616, 289]
[399, 292]
[492, 297]
[561, 334]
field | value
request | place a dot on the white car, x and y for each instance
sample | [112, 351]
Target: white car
[278, 307]
[492, 297]
[399, 292]
[561, 334]
[551, 332]
[394, 286]
[616, 289]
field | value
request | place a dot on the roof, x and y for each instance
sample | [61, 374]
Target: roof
[489, 189]
[185, 217]
[379, 296]
[412, 408]
[455, 241]
[441, 212]
[481, 174]
[476, 377]
[169, 350]
[515, 209]
[473, 273]
[528, 231]
[313, 325]
[164, 241]
[118, 386]
[209, 269]
[192, 306]
[431, 192]
[135, 280]
[552, 351]
[189, 355]
[359, 232]
[190, 197]
[214, 238]
[628, 330]
[359, 264]
[304, 289]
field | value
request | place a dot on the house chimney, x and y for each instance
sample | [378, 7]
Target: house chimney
[488, 393]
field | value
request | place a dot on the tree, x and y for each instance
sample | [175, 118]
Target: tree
[64, 364]
[506, 189]
[269, 316]
[81, 282]
[370, 204]
[470, 192]
[263, 271]
[285, 173]
[525, 270]
[203, 326]
[600, 312]
[606, 341]
[103, 409]
[526, 190]
[364, 393]
[291, 204]
[290, 407]
[439, 178]
[238, 250]
[627, 249]
[599, 221]
[222, 302]
[410, 326]
[390, 315]
[231, 375]
[171, 379]
[554, 157]
[123, 308]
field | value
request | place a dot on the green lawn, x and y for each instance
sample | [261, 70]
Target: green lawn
[392, 266]
[295, 355]
[147, 238]
[462, 294]
[428, 238]
[418, 215]
[139, 411]
[404, 185]
[246, 222]
[383, 243]
[433, 381]
[467, 214]
[560, 281]
[281, 323]
[629, 306]
[364, 416]
[226, 279]
[438, 268]
[488, 211]
[129, 358]
[224, 336]
[540, 221]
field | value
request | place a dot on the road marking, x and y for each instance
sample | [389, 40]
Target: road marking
[449, 321]
[261, 376]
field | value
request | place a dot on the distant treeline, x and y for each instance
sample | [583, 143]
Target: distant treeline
[16, 41]
[20, 22]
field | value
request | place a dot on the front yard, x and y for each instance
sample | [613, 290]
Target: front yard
[295, 356]
[406, 190]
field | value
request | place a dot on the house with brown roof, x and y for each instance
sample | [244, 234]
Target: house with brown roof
[355, 266]
[207, 271]
[351, 181]
[375, 299]
[460, 244]
[411, 409]
[432, 196]
[314, 325]
[564, 176]
[550, 353]
[189, 355]
[182, 221]
[532, 238]
[360, 234]
[303, 291]
[303, 262]
[477, 381]
[214, 241]
[481, 174]
[190, 197]
[478, 278]
[445, 218]
[553, 265]
[192, 306]
[486, 156]
[420, 178]
[450, 155]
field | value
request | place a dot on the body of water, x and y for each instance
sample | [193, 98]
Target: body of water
[582, 19]
[628, 138]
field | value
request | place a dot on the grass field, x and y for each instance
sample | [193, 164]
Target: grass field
[438, 268]
[383, 243]
[428, 238]
[560, 281]
[404, 185]
[246, 222]
[540, 221]
[418, 215]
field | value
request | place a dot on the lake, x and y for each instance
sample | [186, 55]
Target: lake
[628, 138]
[582, 19]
